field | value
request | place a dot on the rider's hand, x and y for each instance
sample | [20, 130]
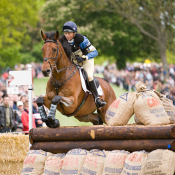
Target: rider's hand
[81, 59]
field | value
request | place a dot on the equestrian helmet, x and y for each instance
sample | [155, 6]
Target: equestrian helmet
[69, 27]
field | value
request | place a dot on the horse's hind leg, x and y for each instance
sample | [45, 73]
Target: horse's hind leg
[93, 118]
[101, 113]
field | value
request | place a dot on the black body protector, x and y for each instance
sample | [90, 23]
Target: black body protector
[76, 50]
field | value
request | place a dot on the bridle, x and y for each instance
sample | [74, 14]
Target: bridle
[57, 84]
[55, 58]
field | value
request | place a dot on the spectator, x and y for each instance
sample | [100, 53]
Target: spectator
[18, 116]
[10, 97]
[1, 95]
[36, 114]
[11, 103]
[15, 99]
[25, 118]
[23, 98]
[7, 120]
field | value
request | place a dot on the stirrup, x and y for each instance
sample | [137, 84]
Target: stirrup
[101, 101]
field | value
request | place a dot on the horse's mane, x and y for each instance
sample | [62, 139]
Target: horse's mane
[63, 41]
[66, 46]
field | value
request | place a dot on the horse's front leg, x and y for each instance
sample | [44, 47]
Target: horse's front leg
[50, 120]
[40, 103]
[54, 123]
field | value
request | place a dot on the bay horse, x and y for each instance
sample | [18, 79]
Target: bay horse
[64, 86]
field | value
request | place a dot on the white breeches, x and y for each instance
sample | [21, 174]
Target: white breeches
[88, 66]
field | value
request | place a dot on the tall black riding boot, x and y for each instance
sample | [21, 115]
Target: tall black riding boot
[94, 91]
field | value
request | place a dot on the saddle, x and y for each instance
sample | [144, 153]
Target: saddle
[85, 82]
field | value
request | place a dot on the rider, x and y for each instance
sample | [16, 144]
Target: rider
[84, 52]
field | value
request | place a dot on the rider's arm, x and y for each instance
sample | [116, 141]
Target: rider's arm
[92, 52]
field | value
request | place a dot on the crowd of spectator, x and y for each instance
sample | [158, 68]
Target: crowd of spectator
[14, 113]
[152, 75]
[14, 107]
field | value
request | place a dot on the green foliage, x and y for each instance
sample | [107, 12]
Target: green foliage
[111, 26]
[154, 19]
[111, 34]
[171, 57]
[15, 18]
[9, 56]
[32, 53]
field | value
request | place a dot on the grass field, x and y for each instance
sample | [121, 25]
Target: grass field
[40, 88]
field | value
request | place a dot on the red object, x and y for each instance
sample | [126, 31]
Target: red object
[5, 75]
[25, 121]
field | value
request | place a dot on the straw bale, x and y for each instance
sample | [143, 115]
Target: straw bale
[13, 145]
[10, 166]
[14, 149]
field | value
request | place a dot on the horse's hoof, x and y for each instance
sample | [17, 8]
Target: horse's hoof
[44, 119]
[56, 124]
[40, 101]
[98, 122]
[47, 123]
[56, 99]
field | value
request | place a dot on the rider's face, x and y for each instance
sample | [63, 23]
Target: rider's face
[69, 35]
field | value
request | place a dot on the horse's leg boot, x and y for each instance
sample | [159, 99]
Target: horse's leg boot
[40, 102]
[56, 123]
[56, 99]
[94, 91]
[51, 116]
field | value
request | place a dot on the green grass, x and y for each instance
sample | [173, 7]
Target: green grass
[40, 89]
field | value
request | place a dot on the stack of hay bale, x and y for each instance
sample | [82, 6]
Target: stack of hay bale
[13, 150]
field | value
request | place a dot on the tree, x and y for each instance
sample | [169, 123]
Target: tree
[153, 18]
[15, 18]
[112, 35]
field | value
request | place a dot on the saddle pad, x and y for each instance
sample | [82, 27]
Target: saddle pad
[83, 84]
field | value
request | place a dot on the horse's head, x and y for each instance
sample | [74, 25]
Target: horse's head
[50, 51]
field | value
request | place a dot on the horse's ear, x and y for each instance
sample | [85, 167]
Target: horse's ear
[56, 35]
[43, 35]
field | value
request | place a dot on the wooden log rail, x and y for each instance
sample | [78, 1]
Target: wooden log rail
[129, 138]
[128, 145]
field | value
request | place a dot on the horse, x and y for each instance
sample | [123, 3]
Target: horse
[64, 86]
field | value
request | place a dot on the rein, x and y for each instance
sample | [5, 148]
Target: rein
[57, 85]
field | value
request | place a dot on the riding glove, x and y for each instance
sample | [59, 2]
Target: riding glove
[81, 59]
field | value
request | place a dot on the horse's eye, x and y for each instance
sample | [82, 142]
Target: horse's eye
[54, 50]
